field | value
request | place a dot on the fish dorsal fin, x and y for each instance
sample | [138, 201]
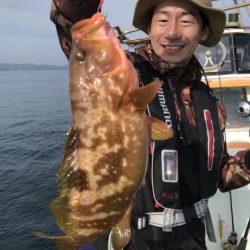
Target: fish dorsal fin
[158, 130]
[142, 96]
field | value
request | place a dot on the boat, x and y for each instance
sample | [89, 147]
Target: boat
[227, 71]
[227, 68]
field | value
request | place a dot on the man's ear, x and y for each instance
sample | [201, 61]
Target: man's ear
[204, 34]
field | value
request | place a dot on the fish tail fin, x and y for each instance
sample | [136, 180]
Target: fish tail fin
[64, 242]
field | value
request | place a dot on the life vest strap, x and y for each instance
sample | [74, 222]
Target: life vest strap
[169, 218]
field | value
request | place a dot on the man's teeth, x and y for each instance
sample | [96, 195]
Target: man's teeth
[172, 46]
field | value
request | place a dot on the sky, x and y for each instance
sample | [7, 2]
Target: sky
[28, 36]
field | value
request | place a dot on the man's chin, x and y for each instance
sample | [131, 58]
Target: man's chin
[174, 62]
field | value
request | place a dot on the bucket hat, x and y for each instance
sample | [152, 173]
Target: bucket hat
[216, 18]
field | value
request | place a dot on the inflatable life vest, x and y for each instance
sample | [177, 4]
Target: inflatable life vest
[169, 158]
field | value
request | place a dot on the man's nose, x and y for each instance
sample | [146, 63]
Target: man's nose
[173, 31]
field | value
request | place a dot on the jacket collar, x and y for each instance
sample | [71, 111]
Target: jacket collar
[188, 74]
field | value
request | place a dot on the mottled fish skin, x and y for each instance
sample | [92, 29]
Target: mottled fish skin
[107, 145]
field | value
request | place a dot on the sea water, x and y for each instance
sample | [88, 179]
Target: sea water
[34, 117]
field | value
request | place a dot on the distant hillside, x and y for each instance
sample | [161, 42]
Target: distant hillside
[29, 66]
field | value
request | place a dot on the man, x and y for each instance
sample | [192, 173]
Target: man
[186, 170]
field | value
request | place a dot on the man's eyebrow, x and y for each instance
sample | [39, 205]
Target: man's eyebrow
[184, 13]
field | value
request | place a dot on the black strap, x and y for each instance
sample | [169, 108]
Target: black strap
[243, 242]
[247, 229]
[189, 214]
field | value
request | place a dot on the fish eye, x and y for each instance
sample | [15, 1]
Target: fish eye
[81, 55]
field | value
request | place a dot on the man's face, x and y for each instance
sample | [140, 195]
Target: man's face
[176, 30]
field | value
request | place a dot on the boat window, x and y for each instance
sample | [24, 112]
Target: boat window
[231, 98]
[217, 58]
[242, 44]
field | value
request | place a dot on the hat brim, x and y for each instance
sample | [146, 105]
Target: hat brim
[216, 19]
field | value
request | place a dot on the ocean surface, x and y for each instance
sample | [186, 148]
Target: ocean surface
[34, 118]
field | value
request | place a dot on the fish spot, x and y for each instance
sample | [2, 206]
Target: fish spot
[113, 163]
[79, 180]
[77, 106]
[124, 162]
[121, 75]
[103, 55]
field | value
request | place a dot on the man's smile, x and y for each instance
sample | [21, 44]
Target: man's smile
[172, 48]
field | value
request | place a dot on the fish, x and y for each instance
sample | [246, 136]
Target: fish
[107, 145]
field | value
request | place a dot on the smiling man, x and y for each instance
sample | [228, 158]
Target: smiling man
[175, 31]
[185, 171]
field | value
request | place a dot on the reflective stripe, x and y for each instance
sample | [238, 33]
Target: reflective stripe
[167, 219]
[201, 207]
[210, 139]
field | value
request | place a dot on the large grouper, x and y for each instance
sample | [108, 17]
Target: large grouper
[106, 150]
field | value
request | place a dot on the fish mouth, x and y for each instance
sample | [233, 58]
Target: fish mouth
[87, 26]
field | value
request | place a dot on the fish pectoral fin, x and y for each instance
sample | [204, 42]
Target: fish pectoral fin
[142, 96]
[121, 232]
[159, 130]
[64, 242]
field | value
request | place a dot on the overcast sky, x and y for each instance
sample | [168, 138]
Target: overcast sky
[28, 36]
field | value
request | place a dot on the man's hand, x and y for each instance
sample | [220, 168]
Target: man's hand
[236, 172]
[76, 10]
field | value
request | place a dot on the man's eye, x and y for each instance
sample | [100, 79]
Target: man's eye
[187, 21]
[163, 21]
